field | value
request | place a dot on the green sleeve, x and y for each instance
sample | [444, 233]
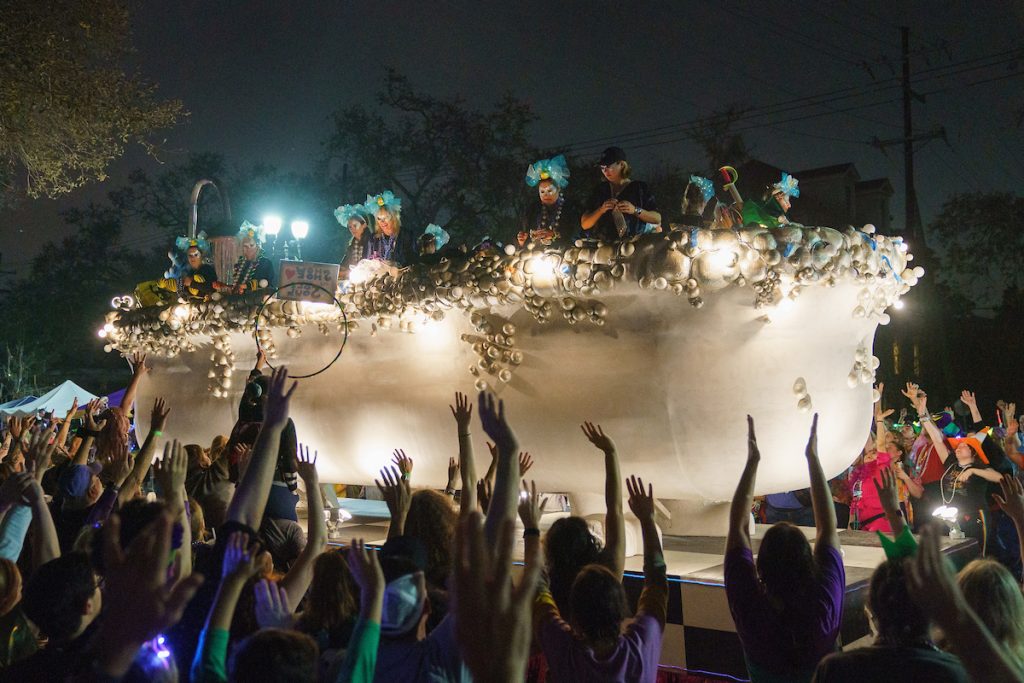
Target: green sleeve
[210, 664]
[361, 656]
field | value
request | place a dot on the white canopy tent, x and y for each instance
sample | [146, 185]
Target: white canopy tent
[58, 400]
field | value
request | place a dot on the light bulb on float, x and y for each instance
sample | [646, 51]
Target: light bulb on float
[300, 229]
[272, 225]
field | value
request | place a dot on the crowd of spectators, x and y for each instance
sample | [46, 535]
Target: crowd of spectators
[116, 564]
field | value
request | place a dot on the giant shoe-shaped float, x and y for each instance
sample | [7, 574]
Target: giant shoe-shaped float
[667, 340]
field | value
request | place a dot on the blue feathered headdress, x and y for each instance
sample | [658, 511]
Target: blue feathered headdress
[254, 231]
[554, 170]
[347, 211]
[439, 234]
[707, 188]
[788, 185]
[179, 255]
[384, 200]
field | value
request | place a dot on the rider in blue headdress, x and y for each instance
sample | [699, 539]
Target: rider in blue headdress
[389, 242]
[253, 270]
[189, 276]
[359, 222]
[771, 212]
[699, 191]
[550, 222]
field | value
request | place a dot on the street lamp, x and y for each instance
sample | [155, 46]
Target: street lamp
[272, 226]
[299, 231]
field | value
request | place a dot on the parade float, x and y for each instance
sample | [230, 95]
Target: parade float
[668, 340]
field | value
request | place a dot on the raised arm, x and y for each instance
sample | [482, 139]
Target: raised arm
[743, 499]
[1011, 502]
[139, 370]
[144, 459]
[170, 475]
[40, 452]
[934, 588]
[298, 578]
[462, 411]
[886, 487]
[654, 599]
[240, 564]
[360, 661]
[969, 400]
[502, 507]
[821, 495]
[65, 426]
[881, 443]
[531, 506]
[91, 430]
[614, 520]
[398, 496]
[250, 499]
[919, 400]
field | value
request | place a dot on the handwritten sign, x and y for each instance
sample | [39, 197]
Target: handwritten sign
[303, 280]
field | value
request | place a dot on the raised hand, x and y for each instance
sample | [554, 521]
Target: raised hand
[495, 424]
[887, 491]
[365, 568]
[917, 398]
[170, 472]
[272, 608]
[880, 414]
[307, 467]
[968, 399]
[753, 453]
[140, 602]
[138, 363]
[492, 619]
[640, 502]
[1012, 499]
[40, 450]
[812, 441]
[525, 463]
[403, 462]
[596, 436]
[241, 561]
[531, 506]
[91, 423]
[74, 409]
[453, 473]
[396, 492]
[279, 394]
[462, 411]
[158, 417]
[484, 493]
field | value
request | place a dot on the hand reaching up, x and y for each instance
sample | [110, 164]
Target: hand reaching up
[531, 506]
[139, 602]
[596, 436]
[484, 493]
[279, 394]
[403, 462]
[272, 608]
[241, 560]
[40, 450]
[365, 568]
[969, 399]
[462, 411]
[453, 474]
[886, 487]
[525, 463]
[1012, 499]
[917, 398]
[137, 361]
[753, 452]
[640, 502]
[307, 468]
[158, 417]
[495, 424]
[492, 619]
[396, 492]
[91, 410]
[812, 441]
[170, 473]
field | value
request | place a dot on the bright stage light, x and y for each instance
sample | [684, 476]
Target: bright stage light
[722, 259]
[272, 225]
[300, 229]
[898, 305]
[181, 311]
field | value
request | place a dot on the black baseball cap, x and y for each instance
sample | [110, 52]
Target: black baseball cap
[611, 155]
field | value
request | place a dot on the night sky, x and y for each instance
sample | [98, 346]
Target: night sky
[261, 78]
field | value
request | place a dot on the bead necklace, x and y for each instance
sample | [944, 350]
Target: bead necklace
[542, 221]
[244, 269]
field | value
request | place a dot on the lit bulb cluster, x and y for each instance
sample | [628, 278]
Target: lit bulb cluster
[549, 284]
